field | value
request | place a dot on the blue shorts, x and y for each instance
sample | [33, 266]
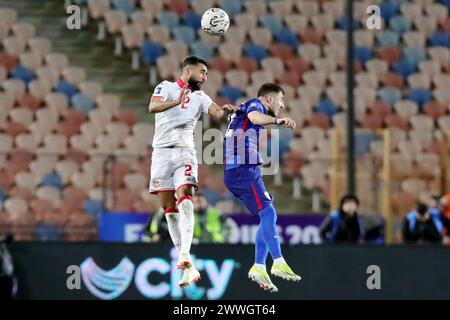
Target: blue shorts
[246, 183]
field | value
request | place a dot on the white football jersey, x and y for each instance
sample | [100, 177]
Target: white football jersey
[175, 126]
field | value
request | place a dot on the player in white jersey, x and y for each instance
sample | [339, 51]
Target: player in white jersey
[178, 105]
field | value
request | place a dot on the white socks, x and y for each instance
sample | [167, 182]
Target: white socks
[279, 260]
[186, 209]
[172, 218]
[260, 266]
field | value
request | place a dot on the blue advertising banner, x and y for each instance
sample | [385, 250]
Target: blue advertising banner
[293, 229]
[122, 226]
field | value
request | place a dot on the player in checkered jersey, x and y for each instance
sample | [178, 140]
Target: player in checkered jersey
[177, 107]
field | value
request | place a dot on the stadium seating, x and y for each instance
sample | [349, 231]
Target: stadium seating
[48, 105]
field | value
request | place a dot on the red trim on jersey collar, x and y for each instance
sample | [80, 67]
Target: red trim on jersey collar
[181, 84]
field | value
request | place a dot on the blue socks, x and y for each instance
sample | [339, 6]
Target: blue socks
[261, 249]
[267, 236]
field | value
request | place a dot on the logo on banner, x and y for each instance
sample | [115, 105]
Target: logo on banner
[107, 284]
[110, 284]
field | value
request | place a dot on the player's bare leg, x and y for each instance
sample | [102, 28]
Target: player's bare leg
[186, 213]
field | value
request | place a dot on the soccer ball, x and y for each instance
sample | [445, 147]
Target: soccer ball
[215, 21]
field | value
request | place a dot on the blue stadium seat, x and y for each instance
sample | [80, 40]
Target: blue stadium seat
[286, 135]
[272, 22]
[387, 11]
[151, 51]
[127, 6]
[414, 55]
[388, 38]
[255, 51]
[203, 50]
[288, 37]
[343, 23]
[363, 54]
[93, 208]
[67, 88]
[82, 103]
[232, 7]
[396, 3]
[53, 179]
[439, 39]
[420, 96]
[404, 67]
[47, 232]
[169, 19]
[2, 195]
[399, 24]
[192, 19]
[446, 3]
[231, 92]
[362, 142]
[22, 73]
[390, 95]
[327, 107]
[184, 34]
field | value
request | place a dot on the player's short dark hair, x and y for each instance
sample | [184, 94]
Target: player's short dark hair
[267, 88]
[193, 60]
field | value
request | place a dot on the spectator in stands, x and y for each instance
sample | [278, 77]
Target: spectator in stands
[8, 280]
[423, 225]
[208, 221]
[439, 204]
[445, 203]
[344, 224]
[157, 229]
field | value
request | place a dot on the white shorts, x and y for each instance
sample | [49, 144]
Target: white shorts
[172, 168]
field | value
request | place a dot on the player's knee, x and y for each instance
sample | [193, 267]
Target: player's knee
[186, 205]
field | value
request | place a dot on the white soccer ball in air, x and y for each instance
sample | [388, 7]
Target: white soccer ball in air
[215, 21]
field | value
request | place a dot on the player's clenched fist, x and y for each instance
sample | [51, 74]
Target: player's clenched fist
[287, 123]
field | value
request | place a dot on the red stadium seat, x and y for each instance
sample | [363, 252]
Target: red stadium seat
[129, 117]
[392, 79]
[390, 54]
[318, 119]
[14, 129]
[77, 156]
[247, 64]
[291, 78]
[6, 178]
[371, 121]
[282, 51]
[396, 121]
[310, 35]
[220, 64]
[8, 61]
[180, 7]
[381, 108]
[434, 109]
[298, 65]
[30, 102]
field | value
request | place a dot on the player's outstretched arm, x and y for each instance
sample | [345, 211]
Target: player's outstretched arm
[221, 113]
[261, 119]
[156, 105]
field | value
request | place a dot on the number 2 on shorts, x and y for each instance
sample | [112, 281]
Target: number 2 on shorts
[187, 171]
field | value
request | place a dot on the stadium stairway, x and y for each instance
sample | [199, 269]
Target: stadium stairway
[83, 50]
